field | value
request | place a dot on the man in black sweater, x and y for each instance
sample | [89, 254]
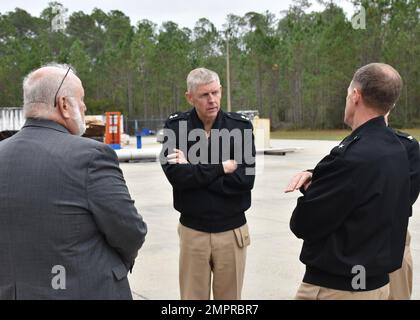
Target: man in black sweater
[208, 157]
[353, 216]
[401, 281]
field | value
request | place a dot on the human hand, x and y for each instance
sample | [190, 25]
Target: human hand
[230, 166]
[177, 157]
[301, 179]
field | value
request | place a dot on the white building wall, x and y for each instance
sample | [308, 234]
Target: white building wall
[11, 119]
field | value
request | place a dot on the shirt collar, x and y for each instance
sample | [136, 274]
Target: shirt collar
[197, 123]
[372, 123]
[44, 123]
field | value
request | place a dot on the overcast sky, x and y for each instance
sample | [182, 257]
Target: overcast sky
[183, 12]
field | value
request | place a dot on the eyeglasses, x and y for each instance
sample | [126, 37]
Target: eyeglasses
[61, 84]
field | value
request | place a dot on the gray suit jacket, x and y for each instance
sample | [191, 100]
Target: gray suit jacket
[64, 206]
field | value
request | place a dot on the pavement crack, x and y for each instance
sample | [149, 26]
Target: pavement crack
[139, 296]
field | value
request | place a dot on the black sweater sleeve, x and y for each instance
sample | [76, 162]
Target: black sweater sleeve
[242, 180]
[186, 176]
[189, 176]
[316, 215]
[414, 159]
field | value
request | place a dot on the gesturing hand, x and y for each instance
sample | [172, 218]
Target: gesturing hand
[301, 179]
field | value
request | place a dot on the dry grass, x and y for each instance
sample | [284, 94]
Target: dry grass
[324, 134]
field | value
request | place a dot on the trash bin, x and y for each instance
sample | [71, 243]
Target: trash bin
[139, 142]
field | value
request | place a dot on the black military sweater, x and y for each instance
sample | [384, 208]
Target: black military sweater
[413, 151]
[355, 212]
[207, 198]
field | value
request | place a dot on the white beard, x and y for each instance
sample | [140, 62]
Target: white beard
[78, 118]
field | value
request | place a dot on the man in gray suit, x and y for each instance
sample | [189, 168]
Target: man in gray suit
[68, 226]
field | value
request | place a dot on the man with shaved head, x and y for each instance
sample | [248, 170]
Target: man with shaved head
[68, 226]
[354, 213]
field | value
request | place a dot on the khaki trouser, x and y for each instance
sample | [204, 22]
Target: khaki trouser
[202, 253]
[311, 292]
[401, 281]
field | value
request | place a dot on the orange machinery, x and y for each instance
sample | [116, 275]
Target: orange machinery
[113, 130]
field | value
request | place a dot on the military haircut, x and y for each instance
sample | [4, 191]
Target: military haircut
[380, 86]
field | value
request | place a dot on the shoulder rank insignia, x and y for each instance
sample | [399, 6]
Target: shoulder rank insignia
[237, 116]
[343, 145]
[404, 135]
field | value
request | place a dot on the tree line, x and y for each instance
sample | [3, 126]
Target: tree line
[293, 67]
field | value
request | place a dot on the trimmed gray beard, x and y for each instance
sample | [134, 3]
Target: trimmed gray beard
[78, 118]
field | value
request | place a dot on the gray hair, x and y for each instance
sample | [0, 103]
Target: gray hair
[40, 87]
[201, 76]
[380, 86]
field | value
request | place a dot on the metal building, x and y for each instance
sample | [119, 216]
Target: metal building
[11, 119]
